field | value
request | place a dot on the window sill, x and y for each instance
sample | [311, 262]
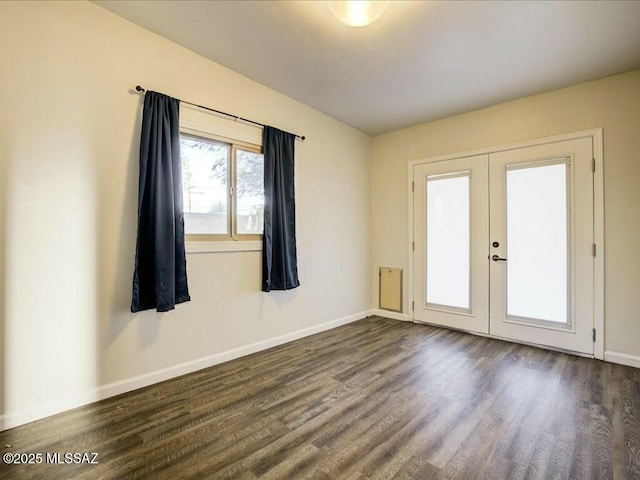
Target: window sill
[223, 246]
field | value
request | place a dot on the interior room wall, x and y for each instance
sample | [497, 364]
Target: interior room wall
[3, 203]
[612, 103]
[70, 129]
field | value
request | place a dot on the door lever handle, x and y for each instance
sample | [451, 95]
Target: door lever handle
[496, 258]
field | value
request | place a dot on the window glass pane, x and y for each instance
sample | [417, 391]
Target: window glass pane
[205, 173]
[537, 236]
[448, 240]
[250, 190]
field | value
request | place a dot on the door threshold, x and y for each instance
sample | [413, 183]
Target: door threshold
[503, 339]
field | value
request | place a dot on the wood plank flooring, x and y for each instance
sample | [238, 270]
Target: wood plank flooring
[375, 399]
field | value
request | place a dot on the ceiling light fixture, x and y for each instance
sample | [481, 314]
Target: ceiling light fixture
[358, 13]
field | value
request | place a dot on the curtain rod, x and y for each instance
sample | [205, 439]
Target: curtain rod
[142, 90]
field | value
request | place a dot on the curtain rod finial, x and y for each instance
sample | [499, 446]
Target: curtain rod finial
[139, 88]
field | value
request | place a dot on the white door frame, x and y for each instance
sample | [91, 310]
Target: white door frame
[598, 217]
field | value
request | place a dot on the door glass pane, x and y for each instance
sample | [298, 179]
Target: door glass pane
[205, 195]
[448, 268]
[250, 180]
[537, 242]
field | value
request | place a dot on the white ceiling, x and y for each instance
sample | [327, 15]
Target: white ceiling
[421, 61]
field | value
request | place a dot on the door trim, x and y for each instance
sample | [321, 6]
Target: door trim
[596, 134]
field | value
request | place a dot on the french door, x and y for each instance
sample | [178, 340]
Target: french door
[451, 211]
[503, 244]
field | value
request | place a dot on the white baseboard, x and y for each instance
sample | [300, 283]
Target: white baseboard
[389, 314]
[14, 419]
[622, 359]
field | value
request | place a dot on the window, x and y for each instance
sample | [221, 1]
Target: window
[223, 189]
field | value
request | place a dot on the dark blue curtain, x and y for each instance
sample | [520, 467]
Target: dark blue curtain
[279, 259]
[160, 276]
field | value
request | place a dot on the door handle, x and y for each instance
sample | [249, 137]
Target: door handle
[496, 258]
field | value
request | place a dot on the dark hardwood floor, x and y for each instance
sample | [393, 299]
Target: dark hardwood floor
[378, 399]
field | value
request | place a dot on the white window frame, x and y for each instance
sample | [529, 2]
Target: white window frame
[231, 242]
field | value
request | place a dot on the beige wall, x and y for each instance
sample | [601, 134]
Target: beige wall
[3, 203]
[69, 140]
[612, 103]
